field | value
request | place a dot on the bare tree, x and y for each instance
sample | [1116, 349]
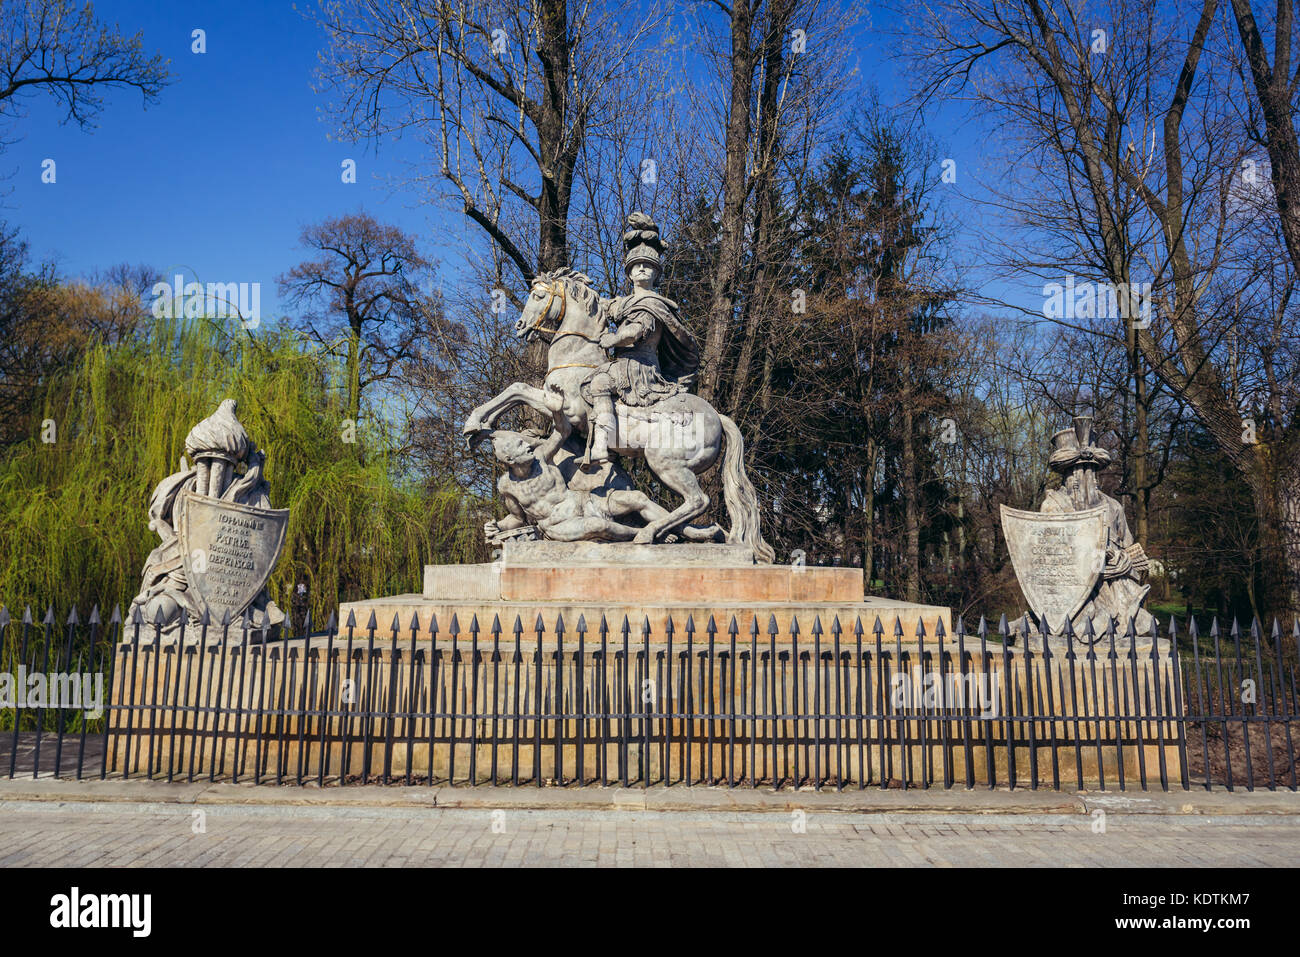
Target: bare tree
[781, 68]
[366, 294]
[1276, 88]
[1146, 153]
[61, 49]
[505, 95]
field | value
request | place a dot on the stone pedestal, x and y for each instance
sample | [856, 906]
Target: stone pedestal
[654, 583]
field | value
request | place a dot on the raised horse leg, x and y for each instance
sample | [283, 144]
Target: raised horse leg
[485, 416]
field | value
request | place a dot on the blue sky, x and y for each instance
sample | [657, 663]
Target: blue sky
[219, 176]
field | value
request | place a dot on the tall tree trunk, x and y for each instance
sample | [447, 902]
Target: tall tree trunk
[1272, 83]
[1140, 447]
[869, 516]
[769, 97]
[354, 377]
[1273, 90]
[557, 155]
[911, 508]
[731, 228]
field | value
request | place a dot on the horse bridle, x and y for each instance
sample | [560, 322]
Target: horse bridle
[539, 325]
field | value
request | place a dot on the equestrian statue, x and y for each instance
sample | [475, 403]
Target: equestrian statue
[633, 402]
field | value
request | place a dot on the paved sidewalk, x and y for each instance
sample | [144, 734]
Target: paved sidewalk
[677, 798]
[115, 823]
[125, 834]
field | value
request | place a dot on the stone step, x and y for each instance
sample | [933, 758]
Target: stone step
[638, 584]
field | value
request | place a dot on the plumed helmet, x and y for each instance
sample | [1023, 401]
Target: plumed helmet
[642, 243]
[1073, 447]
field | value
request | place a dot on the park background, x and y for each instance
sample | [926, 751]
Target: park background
[866, 209]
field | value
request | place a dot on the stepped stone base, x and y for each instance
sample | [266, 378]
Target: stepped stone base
[653, 583]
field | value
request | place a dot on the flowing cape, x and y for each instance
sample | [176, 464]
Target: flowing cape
[679, 353]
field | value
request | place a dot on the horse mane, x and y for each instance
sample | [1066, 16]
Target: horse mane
[576, 284]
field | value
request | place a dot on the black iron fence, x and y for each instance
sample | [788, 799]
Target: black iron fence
[734, 703]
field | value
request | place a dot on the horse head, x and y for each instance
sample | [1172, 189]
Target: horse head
[560, 301]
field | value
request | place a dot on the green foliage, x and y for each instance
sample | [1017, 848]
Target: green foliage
[73, 512]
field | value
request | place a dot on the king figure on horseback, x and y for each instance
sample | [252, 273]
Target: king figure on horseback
[655, 355]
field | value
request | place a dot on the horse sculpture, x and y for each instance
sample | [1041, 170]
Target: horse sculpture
[679, 437]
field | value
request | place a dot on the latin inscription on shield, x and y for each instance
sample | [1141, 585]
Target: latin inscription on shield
[230, 551]
[1058, 557]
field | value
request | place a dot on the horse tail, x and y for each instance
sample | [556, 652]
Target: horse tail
[739, 495]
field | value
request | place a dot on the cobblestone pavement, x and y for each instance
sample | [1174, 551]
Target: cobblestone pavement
[91, 834]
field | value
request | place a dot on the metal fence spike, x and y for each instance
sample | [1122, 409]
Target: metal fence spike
[117, 615]
[94, 615]
[27, 614]
[49, 616]
[373, 623]
[72, 617]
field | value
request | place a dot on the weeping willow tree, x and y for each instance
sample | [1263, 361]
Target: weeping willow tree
[73, 499]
